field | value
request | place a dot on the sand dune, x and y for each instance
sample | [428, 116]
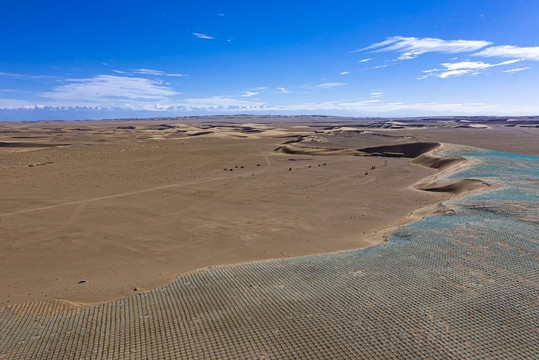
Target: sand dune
[437, 162]
[422, 153]
[406, 150]
[142, 200]
[457, 187]
[296, 150]
[432, 159]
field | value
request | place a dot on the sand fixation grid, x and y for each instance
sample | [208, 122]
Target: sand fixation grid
[461, 284]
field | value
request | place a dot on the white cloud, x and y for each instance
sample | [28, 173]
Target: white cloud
[365, 60]
[344, 73]
[14, 104]
[282, 90]
[17, 91]
[23, 76]
[324, 86]
[108, 89]
[462, 68]
[376, 93]
[450, 73]
[509, 51]
[203, 36]
[411, 47]
[474, 65]
[149, 72]
[248, 93]
[377, 67]
[222, 104]
[153, 72]
[516, 70]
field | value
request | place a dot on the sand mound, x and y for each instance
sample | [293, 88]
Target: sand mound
[437, 162]
[296, 150]
[408, 150]
[456, 187]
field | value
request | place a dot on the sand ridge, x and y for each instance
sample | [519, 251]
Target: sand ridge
[446, 165]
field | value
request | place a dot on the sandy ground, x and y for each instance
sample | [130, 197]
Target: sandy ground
[94, 211]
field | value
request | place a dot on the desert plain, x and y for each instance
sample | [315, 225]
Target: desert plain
[92, 211]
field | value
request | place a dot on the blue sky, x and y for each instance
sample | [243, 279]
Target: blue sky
[126, 58]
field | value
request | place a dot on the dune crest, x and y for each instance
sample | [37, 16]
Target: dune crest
[437, 162]
[457, 187]
[441, 164]
[296, 150]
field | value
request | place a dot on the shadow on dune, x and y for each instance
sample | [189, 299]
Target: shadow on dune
[407, 150]
[27, 144]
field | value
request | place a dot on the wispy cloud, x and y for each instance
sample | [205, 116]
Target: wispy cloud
[462, 68]
[474, 65]
[324, 86]
[516, 70]
[376, 67]
[376, 94]
[248, 93]
[203, 36]
[154, 72]
[509, 51]
[24, 76]
[307, 89]
[344, 73]
[411, 47]
[149, 72]
[365, 60]
[109, 89]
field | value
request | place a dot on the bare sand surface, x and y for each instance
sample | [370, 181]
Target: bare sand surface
[96, 210]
